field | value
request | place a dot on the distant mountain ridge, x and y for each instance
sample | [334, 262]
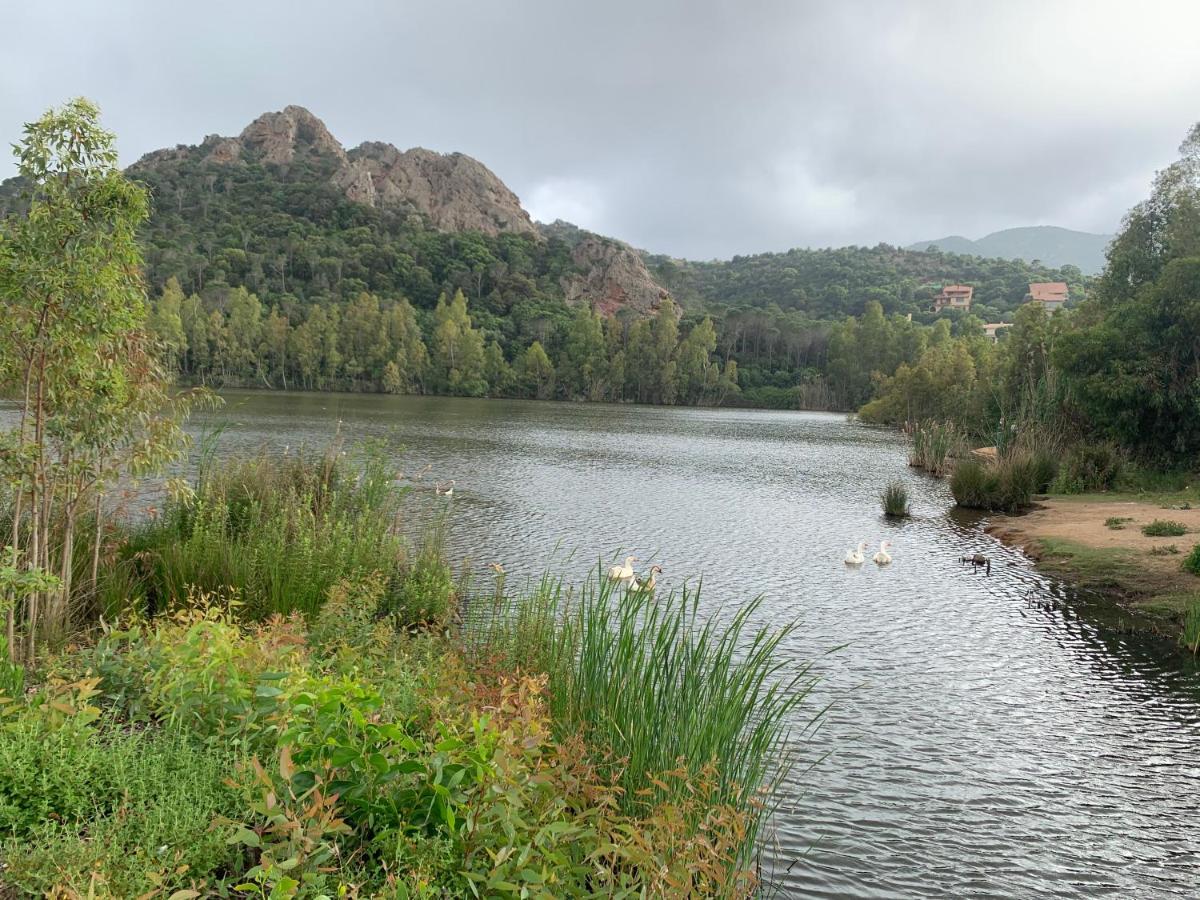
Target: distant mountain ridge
[1050, 244]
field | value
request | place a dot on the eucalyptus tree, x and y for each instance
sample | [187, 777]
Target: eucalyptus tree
[93, 397]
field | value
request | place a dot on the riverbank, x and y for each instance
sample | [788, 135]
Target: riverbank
[1096, 542]
[275, 693]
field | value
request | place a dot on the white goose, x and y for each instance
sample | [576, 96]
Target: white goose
[855, 557]
[623, 573]
[882, 558]
[647, 586]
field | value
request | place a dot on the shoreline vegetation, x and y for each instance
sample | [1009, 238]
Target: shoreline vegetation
[263, 690]
[1092, 407]
[273, 693]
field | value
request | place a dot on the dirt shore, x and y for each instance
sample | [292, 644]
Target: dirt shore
[1069, 537]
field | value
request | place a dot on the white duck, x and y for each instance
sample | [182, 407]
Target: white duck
[855, 557]
[647, 586]
[444, 490]
[623, 573]
[882, 558]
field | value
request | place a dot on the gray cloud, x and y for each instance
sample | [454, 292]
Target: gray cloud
[695, 128]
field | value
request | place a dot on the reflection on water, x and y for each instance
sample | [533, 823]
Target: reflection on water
[978, 744]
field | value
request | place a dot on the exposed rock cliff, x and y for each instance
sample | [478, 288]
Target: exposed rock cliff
[458, 193]
[613, 278]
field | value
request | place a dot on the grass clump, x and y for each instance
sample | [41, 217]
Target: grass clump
[894, 500]
[1007, 484]
[657, 687]
[934, 446]
[1191, 562]
[1164, 528]
[1116, 523]
[1190, 635]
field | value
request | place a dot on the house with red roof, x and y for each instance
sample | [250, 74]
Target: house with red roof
[954, 296]
[1051, 294]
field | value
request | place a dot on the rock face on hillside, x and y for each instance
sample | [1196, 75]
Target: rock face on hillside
[458, 193]
[614, 278]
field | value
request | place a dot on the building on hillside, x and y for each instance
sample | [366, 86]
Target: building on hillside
[954, 296]
[992, 329]
[1051, 294]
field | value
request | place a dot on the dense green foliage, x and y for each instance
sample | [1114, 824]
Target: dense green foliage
[283, 531]
[830, 284]
[219, 744]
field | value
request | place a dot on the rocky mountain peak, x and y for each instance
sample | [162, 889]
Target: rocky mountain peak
[453, 191]
[279, 136]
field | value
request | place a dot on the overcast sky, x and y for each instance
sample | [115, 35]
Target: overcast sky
[699, 128]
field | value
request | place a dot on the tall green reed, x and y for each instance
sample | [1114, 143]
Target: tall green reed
[935, 445]
[281, 530]
[655, 684]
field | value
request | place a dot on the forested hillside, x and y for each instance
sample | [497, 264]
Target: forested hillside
[280, 259]
[833, 283]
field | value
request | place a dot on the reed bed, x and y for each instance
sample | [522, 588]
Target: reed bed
[935, 446]
[657, 685]
[281, 531]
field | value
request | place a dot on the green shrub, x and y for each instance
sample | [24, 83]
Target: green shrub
[1191, 562]
[1087, 468]
[1016, 482]
[1164, 528]
[894, 500]
[1116, 523]
[973, 484]
[201, 671]
[122, 812]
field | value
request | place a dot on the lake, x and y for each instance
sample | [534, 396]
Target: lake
[977, 744]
